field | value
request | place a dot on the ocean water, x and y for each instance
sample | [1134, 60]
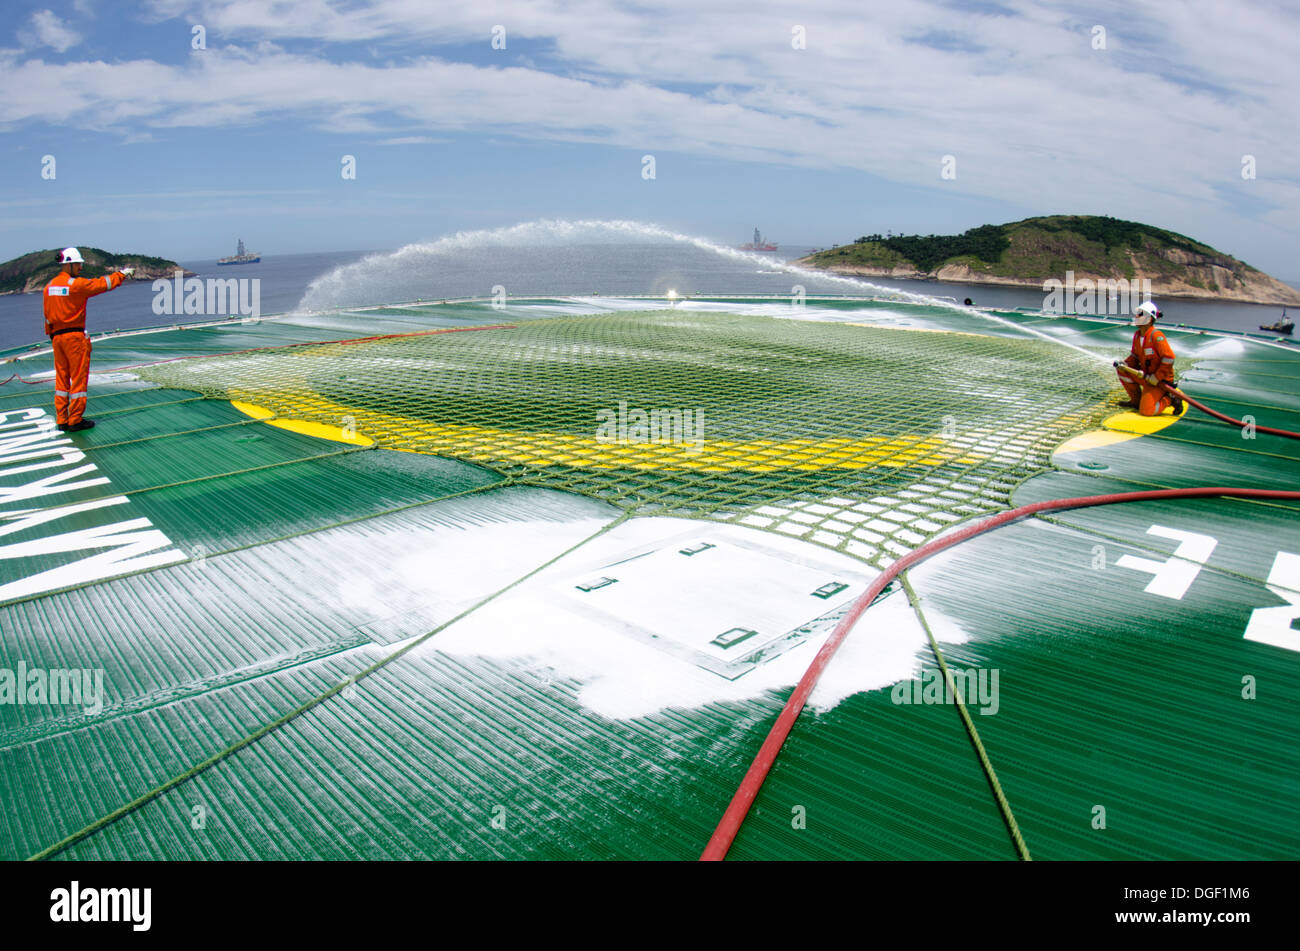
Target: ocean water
[546, 259]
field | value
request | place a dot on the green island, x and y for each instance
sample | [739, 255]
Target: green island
[1027, 253]
[30, 272]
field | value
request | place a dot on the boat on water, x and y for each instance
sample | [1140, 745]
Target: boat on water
[758, 244]
[241, 256]
[1284, 326]
[452, 580]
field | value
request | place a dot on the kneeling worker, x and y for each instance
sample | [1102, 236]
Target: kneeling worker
[1154, 359]
[65, 323]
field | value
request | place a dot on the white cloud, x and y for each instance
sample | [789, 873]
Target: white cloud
[1153, 127]
[48, 30]
[410, 140]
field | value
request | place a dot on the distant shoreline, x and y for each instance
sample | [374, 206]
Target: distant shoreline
[973, 278]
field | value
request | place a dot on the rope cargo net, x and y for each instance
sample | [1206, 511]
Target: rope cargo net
[863, 439]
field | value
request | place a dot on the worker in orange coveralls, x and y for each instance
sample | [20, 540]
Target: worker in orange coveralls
[65, 323]
[1154, 359]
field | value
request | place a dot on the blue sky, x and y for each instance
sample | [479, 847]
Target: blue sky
[164, 149]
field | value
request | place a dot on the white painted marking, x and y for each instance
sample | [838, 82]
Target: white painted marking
[1175, 576]
[132, 547]
[50, 485]
[22, 520]
[1275, 625]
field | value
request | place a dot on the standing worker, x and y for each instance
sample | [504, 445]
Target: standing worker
[1154, 359]
[65, 323]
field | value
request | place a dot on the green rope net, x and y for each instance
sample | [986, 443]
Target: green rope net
[860, 438]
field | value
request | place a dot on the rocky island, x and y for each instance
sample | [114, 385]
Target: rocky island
[32, 271]
[1027, 253]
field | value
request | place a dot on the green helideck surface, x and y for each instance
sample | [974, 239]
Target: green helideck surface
[863, 439]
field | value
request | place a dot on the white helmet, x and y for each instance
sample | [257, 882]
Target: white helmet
[1147, 312]
[71, 256]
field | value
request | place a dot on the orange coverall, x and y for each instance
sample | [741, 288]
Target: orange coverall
[65, 323]
[1151, 356]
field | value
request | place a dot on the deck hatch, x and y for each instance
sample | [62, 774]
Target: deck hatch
[829, 590]
[733, 637]
[742, 606]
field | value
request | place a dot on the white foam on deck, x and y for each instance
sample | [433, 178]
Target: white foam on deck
[1220, 348]
[624, 678]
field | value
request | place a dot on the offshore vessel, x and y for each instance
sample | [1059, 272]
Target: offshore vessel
[1283, 326]
[447, 580]
[758, 244]
[241, 256]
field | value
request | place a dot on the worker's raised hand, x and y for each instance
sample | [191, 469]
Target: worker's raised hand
[128, 271]
[1152, 380]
